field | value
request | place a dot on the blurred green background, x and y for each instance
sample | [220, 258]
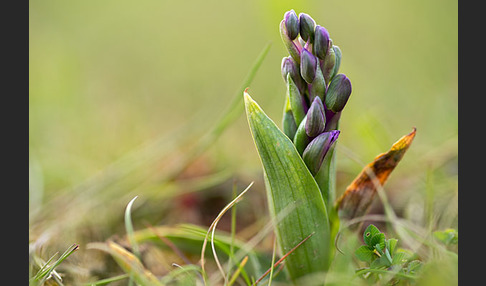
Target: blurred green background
[109, 77]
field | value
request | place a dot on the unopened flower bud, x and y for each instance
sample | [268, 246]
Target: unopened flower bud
[316, 118]
[308, 65]
[292, 24]
[297, 103]
[329, 63]
[321, 42]
[307, 27]
[318, 85]
[293, 47]
[317, 149]
[337, 64]
[287, 67]
[338, 93]
[301, 139]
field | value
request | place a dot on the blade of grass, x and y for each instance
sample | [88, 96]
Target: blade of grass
[128, 262]
[171, 245]
[45, 271]
[129, 228]
[383, 271]
[233, 226]
[258, 237]
[211, 229]
[273, 261]
[238, 271]
[171, 276]
[174, 248]
[108, 280]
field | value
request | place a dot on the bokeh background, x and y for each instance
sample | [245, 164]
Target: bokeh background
[119, 91]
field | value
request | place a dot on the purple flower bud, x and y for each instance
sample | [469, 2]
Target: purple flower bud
[316, 118]
[308, 65]
[307, 27]
[292, 24]
[338, 93]
[289, 66]
[317, 149]
[321, 42]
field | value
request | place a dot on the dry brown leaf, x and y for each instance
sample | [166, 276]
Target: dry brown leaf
[359, 195]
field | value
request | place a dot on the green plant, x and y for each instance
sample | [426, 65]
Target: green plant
[383, 257]
[48, 268]
[299, 161]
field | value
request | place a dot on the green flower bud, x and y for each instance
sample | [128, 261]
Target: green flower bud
[307, 27]
[316, 118]
[329, 63]
[296, 100]
[338, 54]
[338, 93]
[301, 139]
[318, 86]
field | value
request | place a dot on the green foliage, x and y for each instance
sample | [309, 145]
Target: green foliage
[383, 258]
[47, 269]
[448, 236]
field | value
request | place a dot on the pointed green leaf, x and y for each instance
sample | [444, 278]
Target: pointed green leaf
[290, 184]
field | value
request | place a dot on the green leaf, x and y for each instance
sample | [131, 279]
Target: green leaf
[378, 241]
[391, 244]
[380, 263]
[368, 234]
[401, 256]
[414, 266]
[365, 253]
[388, 256]
[447, 236]
[289, 184]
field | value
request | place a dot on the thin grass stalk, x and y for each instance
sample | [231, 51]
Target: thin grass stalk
[274, 252]
[213, 226]
[238, 271]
